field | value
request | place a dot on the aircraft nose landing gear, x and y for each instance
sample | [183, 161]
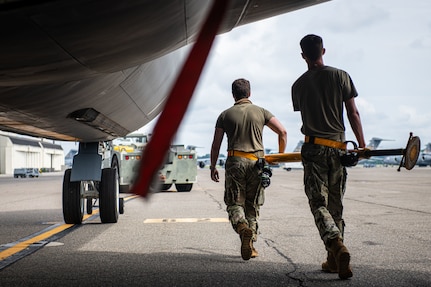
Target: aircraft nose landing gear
[86, 180]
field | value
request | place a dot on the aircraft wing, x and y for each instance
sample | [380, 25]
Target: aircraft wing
[96, 70]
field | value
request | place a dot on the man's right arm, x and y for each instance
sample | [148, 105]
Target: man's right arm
[275, 125]
[215, 150]
[355, 121]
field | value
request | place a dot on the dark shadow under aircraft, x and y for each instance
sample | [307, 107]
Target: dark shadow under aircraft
[91, 71]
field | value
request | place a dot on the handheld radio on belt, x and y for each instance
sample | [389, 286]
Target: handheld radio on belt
[350, 157]
[266, 172]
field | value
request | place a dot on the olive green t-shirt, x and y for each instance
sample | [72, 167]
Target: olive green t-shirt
[320, 95]
[243, 124]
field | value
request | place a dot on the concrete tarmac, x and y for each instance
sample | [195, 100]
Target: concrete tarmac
[184, 239]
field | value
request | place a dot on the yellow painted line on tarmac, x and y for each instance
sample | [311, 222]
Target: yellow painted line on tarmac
[20, 246]
[185, 220]
[25, 244]
[87, 216]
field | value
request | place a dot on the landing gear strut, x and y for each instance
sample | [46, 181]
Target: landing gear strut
[87, 181]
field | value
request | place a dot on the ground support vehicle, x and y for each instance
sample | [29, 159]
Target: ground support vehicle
[25, 172]
[127, 165]
[125, 154]
[180, 168]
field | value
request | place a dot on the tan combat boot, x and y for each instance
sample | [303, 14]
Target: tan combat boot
[246, 235]
[330, 265]
[254, 252]
[342, 258]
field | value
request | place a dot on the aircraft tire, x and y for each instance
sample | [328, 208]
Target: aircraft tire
[121, 206]
[109, 196]
[165, 187]
[89, 206]
[184, 187]
[73, 203]
[114, 164]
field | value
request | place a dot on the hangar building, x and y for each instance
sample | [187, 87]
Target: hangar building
[22, 152]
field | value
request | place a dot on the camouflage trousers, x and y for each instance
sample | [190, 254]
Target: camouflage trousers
[325, 185]
[243, 192]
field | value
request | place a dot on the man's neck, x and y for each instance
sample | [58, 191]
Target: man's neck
[315, 65]
[243, 100]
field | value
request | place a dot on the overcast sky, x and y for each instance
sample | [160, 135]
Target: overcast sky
[384, 45]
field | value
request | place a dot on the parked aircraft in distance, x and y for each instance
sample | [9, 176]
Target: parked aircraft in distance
[373, 144]
[424, 158]
[91, 71]
[294, 165]
[375, 160]
[205, 161]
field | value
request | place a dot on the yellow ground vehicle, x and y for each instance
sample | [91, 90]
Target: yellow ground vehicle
[180, 167]
[124, 154]
[124, 148]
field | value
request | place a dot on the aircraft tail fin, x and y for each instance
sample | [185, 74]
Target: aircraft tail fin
[298, 146]
[427, 148]
[375, 142]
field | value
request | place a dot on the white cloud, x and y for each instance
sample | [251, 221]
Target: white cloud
[384, 45]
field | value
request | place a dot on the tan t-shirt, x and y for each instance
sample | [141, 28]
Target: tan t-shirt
[320, 95]
[243, 124]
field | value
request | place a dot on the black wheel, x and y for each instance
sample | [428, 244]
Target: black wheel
[121, 206]
[109, 196]
[125, 188]
[165, 186]
[114, 163]
[201, 164]
[89, 206]
[185, 187]
[73, 203]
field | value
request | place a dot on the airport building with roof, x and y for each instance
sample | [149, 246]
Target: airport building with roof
[24, 152]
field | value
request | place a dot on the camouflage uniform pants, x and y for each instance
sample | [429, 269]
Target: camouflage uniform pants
[325, 185]
[243, 192]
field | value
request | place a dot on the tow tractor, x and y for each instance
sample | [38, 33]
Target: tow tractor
[180, 168]
[125, 154]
